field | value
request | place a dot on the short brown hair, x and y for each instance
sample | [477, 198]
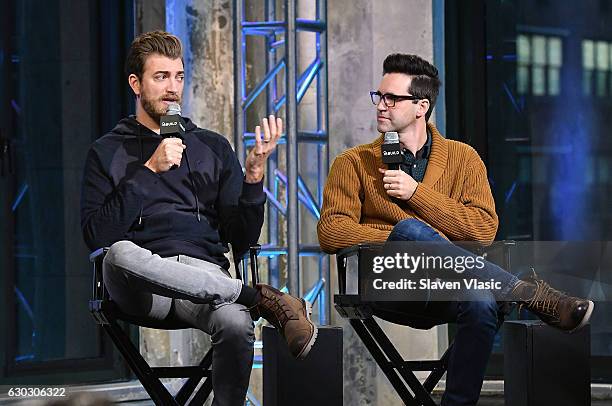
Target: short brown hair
[154, 42]
[425, 82]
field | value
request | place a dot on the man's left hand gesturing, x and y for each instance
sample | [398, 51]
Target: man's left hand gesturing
[255, 162]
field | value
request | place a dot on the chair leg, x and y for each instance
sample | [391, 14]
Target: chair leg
[382, 362]
[158, 392]
[435, 376]
[188, 387]
[202, 394]
[398, 362]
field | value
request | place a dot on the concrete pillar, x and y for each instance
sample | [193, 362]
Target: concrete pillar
[204, 27]
[150, 15]
[361, 34]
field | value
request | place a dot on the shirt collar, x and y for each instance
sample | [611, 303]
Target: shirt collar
[425, 150]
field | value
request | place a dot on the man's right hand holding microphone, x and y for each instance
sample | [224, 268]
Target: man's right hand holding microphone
[169, 152]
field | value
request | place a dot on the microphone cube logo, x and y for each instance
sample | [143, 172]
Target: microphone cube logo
[172, 126]
[391, 153]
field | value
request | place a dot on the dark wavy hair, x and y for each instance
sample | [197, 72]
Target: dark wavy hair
[425, 83]
[154, 42]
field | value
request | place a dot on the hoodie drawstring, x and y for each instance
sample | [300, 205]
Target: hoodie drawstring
[140, 153]
[193, 186]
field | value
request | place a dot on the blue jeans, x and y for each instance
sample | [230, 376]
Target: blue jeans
[476, 312]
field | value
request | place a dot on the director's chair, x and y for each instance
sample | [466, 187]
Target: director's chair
[107, 314]
[350, 305]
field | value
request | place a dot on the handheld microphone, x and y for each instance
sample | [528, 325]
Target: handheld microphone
[172, 124]
[391, 151]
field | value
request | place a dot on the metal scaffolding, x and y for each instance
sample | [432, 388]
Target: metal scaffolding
[284, 87]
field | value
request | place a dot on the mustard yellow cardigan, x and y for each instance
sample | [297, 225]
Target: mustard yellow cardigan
[454, 197]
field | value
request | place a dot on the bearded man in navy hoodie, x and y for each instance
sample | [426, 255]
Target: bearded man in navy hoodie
[168, 207]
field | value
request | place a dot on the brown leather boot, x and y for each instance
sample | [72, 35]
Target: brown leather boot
[551, 306]
[290, 315]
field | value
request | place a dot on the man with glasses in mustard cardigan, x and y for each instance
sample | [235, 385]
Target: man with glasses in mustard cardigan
[439, 193]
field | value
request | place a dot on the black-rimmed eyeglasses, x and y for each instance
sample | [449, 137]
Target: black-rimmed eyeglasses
[390, 99]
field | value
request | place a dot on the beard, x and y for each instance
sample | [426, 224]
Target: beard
[156, 108]
[382, 128]
[385, 126]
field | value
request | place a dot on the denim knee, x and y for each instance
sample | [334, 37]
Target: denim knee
[413, 230]
[113, 260]
[479, 310]
[235, 328]
[119, 250]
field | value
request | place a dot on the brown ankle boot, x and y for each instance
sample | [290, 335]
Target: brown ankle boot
[290, 315]
[551, 306]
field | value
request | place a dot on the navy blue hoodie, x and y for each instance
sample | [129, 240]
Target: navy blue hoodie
[195, 209]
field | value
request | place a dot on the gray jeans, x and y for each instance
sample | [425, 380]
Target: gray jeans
[182, 290]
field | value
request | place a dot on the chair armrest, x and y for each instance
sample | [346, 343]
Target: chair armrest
[351, 256]
[98, 254]
[503, 246]
[98, 289]
[241, 266]
[348, 250]
[253, 253]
